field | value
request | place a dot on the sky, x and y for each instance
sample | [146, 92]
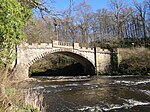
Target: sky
[95, 4]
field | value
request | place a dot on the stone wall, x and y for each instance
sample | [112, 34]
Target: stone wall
[28, 54]
[103, 59]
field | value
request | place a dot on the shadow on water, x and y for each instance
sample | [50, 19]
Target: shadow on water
[70, 70]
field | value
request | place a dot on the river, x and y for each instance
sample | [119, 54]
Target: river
[95, 94]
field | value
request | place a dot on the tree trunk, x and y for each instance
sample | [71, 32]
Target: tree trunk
[4, 74]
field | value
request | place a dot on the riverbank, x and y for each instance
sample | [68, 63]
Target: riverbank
[14, 98]
[134, 61]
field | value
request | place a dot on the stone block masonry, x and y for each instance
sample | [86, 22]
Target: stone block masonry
[27, 54]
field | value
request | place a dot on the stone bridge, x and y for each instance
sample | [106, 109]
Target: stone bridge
[93, 60]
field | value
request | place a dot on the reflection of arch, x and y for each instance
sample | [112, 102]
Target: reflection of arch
[87, 63]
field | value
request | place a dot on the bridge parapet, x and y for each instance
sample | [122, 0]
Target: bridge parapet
[62, 44]
[35, 45]
[100, 50]
[76, 45]
[86, 49]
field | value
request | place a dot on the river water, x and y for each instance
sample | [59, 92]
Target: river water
[95, 94]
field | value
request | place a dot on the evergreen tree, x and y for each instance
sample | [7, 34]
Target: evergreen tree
[13, 17]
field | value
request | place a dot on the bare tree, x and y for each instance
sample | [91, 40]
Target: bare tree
[38, 32]
[82, 11]
[117, 7]
[141, 9]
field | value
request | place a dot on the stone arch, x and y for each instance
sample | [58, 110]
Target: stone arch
[79, 56]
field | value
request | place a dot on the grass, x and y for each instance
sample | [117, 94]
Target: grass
[11, 100]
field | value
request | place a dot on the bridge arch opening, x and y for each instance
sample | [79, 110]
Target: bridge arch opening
[79, 66]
